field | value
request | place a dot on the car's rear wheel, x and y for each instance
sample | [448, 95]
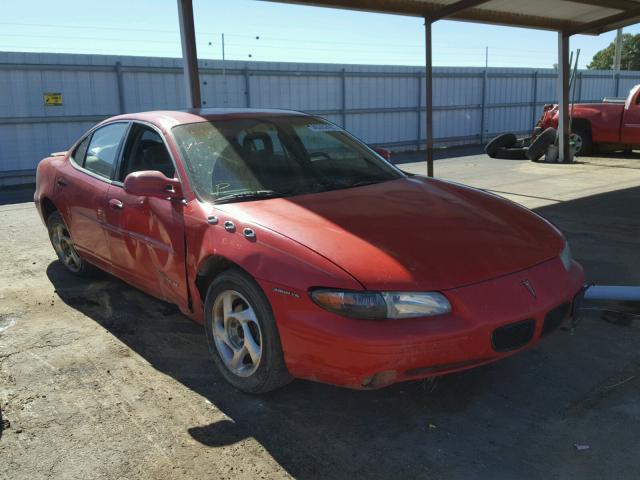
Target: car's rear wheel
[242, 334]
[63, 245]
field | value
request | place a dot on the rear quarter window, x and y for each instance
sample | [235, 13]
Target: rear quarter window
[81, 151]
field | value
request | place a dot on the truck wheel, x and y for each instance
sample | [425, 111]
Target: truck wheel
[581, 138]
[242, 334]
[539, 146]
[504, 140]
[511, 153]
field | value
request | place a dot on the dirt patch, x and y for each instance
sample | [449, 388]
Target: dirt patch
[101, 381]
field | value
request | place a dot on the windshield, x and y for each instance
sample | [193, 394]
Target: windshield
[265, 157]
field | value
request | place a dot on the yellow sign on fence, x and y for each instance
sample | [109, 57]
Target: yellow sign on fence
[52, 99]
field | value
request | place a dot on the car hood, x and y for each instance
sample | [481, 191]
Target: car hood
[412, 233]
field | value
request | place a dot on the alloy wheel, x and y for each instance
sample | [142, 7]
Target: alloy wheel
[577, 141]
[237, 333]
[63, 246]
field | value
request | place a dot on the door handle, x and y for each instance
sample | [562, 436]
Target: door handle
[116, 204]
[61, 182]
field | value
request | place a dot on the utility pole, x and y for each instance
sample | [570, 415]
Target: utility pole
[224, 75]
[617, 59]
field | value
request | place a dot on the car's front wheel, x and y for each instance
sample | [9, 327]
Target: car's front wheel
[242, 334]
[63, 245]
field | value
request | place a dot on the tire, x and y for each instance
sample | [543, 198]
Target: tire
[539, 146]
[245, 345]
[511, 153]
[504, 140]
[64, 248]
[582, 138]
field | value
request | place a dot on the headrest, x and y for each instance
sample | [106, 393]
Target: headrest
[251, 144]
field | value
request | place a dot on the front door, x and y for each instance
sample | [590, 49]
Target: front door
[146, 235]
[630, 133]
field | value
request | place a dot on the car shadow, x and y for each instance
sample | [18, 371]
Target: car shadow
[473, 424]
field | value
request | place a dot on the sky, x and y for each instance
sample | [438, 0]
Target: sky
[265, 31]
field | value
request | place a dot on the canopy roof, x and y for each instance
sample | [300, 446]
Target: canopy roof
[571, 17]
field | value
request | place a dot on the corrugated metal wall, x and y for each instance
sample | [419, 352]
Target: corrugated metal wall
[380, 104]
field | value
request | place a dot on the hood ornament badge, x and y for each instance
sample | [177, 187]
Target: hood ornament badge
[527, 284]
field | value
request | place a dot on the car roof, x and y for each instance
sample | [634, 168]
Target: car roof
[169, 118]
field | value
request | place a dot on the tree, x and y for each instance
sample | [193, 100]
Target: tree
[603, 60]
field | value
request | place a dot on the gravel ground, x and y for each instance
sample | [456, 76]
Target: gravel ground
[100, 381]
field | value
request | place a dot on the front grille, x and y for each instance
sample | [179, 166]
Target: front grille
[514, 335]
[554, 318]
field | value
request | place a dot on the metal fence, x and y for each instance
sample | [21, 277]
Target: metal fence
[383, 105]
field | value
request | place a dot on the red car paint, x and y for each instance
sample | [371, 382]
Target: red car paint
[608, 123]
[410, 234]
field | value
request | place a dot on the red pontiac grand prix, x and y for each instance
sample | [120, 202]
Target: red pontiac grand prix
[304, 253]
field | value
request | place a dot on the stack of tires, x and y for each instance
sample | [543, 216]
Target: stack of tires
[507, 146]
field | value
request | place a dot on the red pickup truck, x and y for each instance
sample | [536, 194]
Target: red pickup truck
[613, 124]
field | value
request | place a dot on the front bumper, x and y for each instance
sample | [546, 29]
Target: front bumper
[489, 321]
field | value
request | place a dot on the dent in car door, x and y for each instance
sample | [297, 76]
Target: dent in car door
[147, 243]
[146, 234]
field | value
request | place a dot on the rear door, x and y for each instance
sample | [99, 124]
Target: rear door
[146, 235]
[83, 186]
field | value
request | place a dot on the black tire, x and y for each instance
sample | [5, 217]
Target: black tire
[270, 372]
[505, 140]
[582, 138]
[64, 248]
[539, 146]
[511, 153]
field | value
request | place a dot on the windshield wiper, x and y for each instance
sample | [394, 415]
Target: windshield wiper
[362, 183]
[247, 196]
[342, 184]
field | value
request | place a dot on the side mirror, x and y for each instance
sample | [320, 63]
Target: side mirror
[151, 183]
[383, 152]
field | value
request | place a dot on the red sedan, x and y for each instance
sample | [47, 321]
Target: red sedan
[304, 253]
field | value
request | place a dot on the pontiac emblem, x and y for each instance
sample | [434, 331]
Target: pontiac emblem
[527, 284]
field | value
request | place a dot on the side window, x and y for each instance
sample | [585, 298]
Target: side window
[103, 149]
[81, 151]
[145, 150]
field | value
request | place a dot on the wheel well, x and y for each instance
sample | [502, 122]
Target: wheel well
[48, 207]
[210, 269]
[581, 124]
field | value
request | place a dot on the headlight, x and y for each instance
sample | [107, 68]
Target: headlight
[565, 256]
[381, 305]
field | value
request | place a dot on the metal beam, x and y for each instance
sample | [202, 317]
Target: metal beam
[613, 4]
[607, 23]
[429, 93]
[454, 8]
[429, 8]
[189, 54]
[563, 91]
